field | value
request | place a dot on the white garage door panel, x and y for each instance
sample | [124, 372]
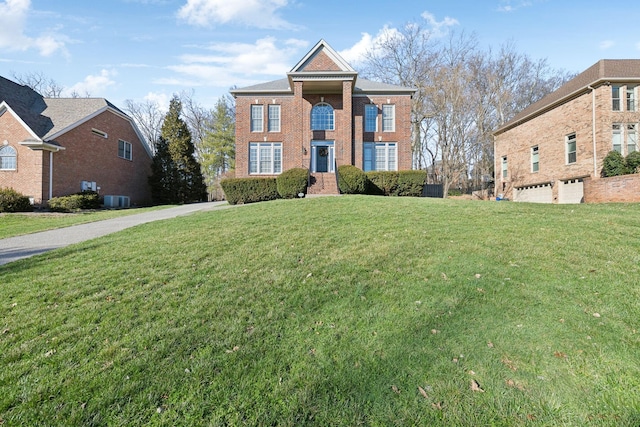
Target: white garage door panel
[536, 194]
[571, 191]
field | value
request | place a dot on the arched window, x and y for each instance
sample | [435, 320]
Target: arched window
[7, 158]
[322, 117]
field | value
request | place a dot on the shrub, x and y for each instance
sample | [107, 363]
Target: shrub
[613, 165]
[633, 162]
[292, 182]
[351, 180]
[12, 201]
[249, 190]
[411, 183]
[382, 183]
[74, 202]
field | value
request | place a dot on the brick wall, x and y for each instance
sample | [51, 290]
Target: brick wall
[90, 157]
[28, 176]
[625, 188]
[548, 131]
[320, 62]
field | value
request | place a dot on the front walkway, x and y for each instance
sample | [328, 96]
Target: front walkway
[19, 247]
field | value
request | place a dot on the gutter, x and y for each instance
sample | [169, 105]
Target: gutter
[593, 128]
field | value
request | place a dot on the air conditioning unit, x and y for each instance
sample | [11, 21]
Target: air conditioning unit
[116, 201]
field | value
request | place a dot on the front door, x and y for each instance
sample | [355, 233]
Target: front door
[322, 156]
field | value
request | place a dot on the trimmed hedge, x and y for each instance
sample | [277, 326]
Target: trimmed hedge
[613, 165]
[12, 201]
[249, 190]
[75, 202]
[351, 180]
[397, 183]
[633, 162]
[382, 183]
[292, 182]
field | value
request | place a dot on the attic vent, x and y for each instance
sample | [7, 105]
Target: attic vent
[99, 133]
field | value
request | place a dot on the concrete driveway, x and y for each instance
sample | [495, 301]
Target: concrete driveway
[19, 247]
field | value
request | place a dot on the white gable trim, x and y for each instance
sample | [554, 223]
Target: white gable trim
[4, 107]
[335, 57]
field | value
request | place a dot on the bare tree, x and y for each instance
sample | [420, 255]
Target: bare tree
[197, 118]
[37, 81]
[149, 117]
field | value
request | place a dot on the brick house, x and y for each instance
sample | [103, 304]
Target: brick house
[553, 151]
[320, 116]
[52, 147]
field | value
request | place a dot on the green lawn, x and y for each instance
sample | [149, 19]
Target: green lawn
[16, 224]
[333, 311]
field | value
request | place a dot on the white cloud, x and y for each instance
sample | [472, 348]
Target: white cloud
[93, 85]
[13, 18]
[606, 44]
[512, 6]
[238, 64]
[253, 13]
[438, 28]
[160, 99]
[356, 54]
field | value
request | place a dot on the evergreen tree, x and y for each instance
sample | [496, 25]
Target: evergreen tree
[218, 145]
[177, 177]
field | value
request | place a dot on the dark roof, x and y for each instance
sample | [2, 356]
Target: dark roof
[282, 86]
[48, 116]
[603, 71]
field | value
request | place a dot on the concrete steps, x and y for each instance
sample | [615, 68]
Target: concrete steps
[323, 184]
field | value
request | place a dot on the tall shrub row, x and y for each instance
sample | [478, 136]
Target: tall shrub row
[615, 164]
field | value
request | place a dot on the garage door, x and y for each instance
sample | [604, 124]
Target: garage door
[571, 191]
[541, 193]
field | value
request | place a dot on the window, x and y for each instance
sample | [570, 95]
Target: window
[571, 149]
[256, 118]
[535, 159]
[322, 117]
[631, 98]
[124, 149]
[388, 118]
[274, 118]
[632, 138]
[8, 158]
[380, 156]
[617, 137]
[504, 168]
[265, 158]
[370, 118]
[615, 97]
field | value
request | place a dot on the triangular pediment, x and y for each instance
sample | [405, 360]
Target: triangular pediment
[322, 58]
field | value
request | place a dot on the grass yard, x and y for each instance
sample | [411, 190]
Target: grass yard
[333, 311]
[16, 224]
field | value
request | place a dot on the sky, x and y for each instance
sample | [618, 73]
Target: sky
[151, 49]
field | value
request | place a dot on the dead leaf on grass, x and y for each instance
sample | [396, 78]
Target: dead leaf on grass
[478, 276]
[444, 276]
[476, 387]
[490, 344]
[596, 314]
[395, 389]
[423, 392]
[560, 355]
[512, 383]
[434, 331]
[437, 405]
[510, 364]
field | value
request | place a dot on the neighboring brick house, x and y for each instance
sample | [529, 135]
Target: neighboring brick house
[52, 147]
[554, 149]
[320, 116]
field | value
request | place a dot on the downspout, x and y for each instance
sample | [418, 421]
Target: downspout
[50, 174]
[593, 129]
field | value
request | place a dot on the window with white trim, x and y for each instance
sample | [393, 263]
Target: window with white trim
[370, 118]
[124, 150]
[572, 156]
[631, 98]
[380, 156]
[505, 168]
[388, 118]
[274, 117]
[535, 159]
[615, 98]
[265, 158]
[257, 118]
[632, 138]
[616, 137]
[322, 117]
[8, 158]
